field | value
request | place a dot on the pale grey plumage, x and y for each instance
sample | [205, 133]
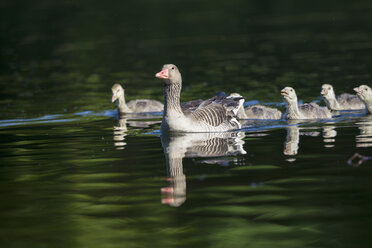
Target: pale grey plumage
[364, 92]
[213, 115]
[134, 106]
[262, 112]
[342, 102]
[257, 111]
[302, 111]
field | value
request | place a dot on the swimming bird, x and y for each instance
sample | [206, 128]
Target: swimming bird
[257, 111]
[134, 106]
[217, 114]
[364, 92]
[342, 102]
[302, 111]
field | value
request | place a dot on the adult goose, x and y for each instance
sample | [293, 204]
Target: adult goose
[364, 92]
[134, 106]
[217, 114]
[342, 102]
[257, 111]
[302, 111]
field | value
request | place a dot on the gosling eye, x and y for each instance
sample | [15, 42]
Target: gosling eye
[329, 88]
[172, 67]
[291, 90]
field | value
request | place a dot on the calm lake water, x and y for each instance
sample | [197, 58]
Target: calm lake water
[73, 174]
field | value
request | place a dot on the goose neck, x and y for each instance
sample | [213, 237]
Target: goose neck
[293, 111]
[172, 93]
[122, 105]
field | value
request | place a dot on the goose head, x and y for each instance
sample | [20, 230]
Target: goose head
[170, 74]
[327, 91]
[117, 91]
[289, 94]
[364, 92]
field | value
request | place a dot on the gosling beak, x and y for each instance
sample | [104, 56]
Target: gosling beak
[114, 97]
[162, 74]
[323, 92]
[357, 90]
[284, 93]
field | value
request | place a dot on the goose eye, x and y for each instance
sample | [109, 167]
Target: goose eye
[172, 67]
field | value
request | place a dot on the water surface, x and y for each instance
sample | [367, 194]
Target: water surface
[73, 174]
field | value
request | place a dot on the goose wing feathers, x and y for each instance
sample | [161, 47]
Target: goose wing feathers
[191, 106]
[350, 101]
[313, 110]
[217, 110]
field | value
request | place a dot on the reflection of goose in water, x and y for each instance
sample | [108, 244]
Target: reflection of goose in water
[329, 134]
[178, 146]
[120, 131]
[364, 139]
[292, 141]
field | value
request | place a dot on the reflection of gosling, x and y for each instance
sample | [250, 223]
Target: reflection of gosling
[134, 106]
[119, 134]
[292, 141]
[364, 139]
[329, 133]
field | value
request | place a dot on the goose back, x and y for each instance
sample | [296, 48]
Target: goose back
[349, 101]
[145, 105]
[314, 111]
[262, 112]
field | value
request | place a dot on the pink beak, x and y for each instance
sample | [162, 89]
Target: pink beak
[167, 190]
[357, 90]
[162, 74]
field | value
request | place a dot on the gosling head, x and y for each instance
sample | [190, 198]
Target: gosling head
[327, 91]
[364, 92]
[289, 94]
[170, 74]
[117, 91]
[235, 95]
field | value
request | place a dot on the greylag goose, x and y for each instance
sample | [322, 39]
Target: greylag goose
[217, 114]
[257, 111]
[302, 111]
[342, 102]
[134, 106]
[364, 92]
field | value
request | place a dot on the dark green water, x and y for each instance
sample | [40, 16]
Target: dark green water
[73, 175]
